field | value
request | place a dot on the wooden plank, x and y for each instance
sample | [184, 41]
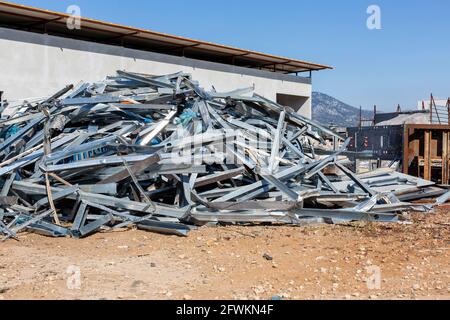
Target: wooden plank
[406, 145]
[444, 156]
[427, 143]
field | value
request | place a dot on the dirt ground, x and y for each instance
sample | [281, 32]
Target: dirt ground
[354, 261]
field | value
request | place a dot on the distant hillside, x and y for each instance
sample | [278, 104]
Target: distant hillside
[330, 111]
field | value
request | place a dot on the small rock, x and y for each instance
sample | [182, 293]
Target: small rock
[152, 265]
[122, 247]
[258, 290]
[137, 283]
[320, 258]
[267, 257]
[187, 297]
[347, 297]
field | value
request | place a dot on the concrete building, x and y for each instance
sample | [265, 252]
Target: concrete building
[40, 54]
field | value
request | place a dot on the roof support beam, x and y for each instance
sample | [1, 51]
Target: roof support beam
[94, 30]
[121, 36]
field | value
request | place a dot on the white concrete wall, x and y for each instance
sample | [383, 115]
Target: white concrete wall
[37, 65]
[296, 102]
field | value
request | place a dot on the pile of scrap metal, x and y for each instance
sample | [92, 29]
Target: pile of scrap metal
[161, 154]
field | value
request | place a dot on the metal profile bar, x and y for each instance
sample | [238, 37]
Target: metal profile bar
[136, 168]
[164, 227]
[282, 187]
[159, 127]
[93, 226]
[220, 176]
[355, 179]
[145, 80]
[165, 210]
[57, 196]
[273, 162]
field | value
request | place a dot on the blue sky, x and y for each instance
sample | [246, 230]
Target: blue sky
[402, 63]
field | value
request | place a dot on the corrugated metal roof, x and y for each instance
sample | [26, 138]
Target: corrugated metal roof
[55, 23]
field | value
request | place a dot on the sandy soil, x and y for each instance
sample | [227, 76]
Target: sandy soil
[312, 262]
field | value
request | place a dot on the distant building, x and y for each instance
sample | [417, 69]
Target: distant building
[425, 104]
[438, 110]
[402, 118]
